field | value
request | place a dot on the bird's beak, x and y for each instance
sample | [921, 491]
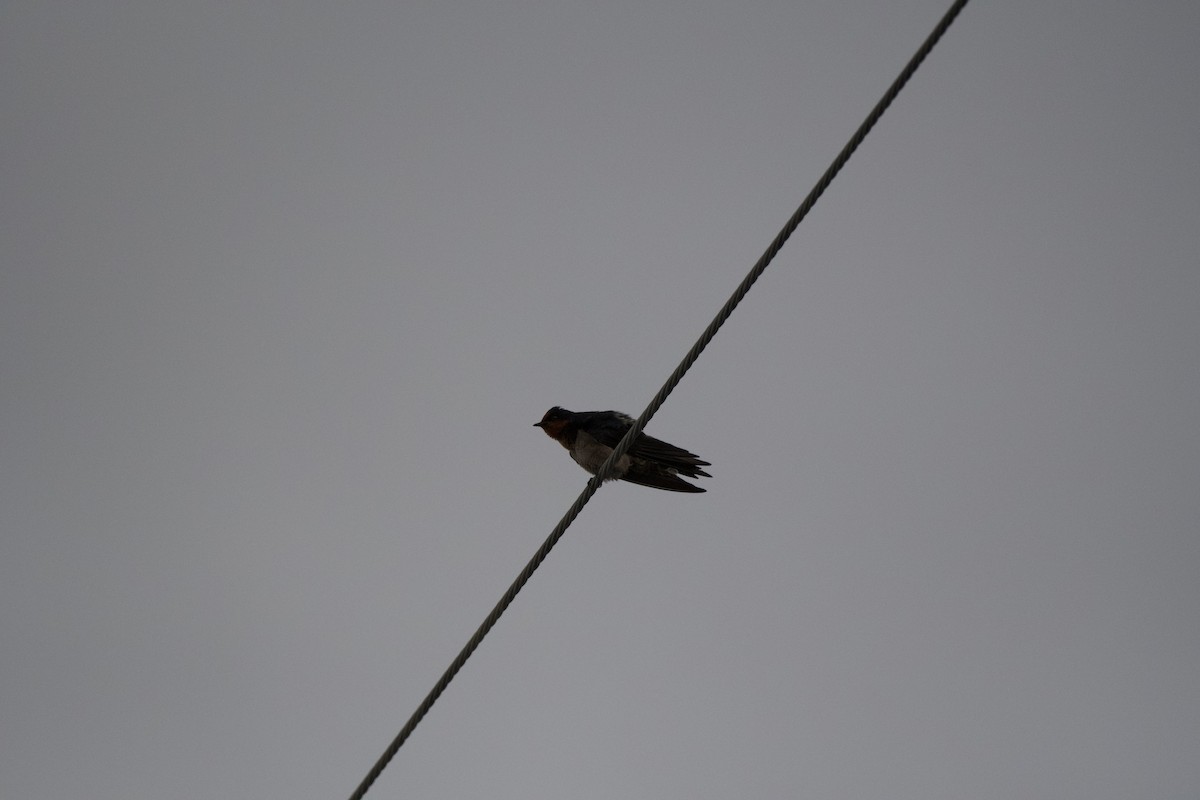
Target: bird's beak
[537, 424]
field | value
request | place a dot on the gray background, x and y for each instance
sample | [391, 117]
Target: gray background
[285, 286]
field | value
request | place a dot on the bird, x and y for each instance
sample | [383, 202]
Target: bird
[590, 437]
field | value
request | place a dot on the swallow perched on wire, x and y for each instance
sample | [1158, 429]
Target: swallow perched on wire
[590, 437]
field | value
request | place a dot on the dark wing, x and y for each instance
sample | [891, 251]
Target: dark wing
[669, 455]
[608, 427]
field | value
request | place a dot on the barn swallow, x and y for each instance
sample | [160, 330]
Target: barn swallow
[590, 437]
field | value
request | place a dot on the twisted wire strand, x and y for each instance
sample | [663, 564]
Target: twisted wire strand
[635, 429]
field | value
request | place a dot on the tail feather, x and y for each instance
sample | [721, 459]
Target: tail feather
[660, 479]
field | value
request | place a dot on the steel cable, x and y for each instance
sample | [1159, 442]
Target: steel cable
[605, 469]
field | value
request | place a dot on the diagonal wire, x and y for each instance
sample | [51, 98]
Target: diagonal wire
[636, 428]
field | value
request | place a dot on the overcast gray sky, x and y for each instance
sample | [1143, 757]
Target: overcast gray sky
[285, 285]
